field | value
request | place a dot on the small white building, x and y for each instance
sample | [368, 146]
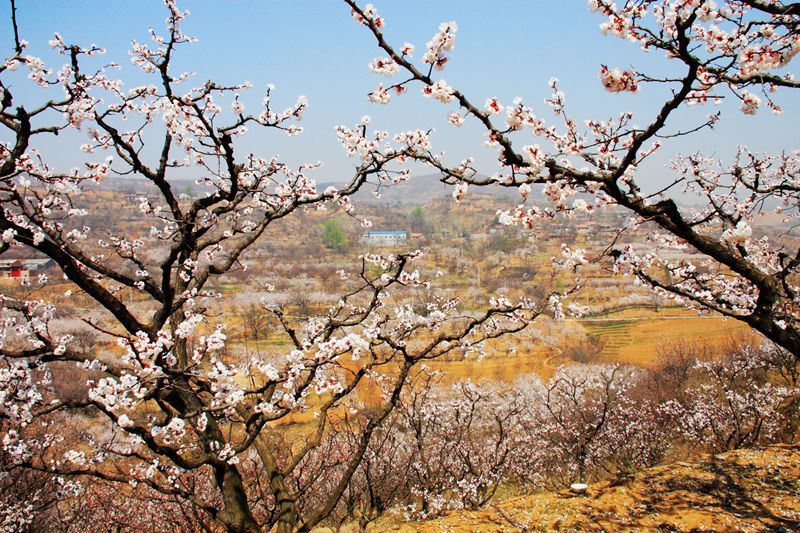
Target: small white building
[385, 238]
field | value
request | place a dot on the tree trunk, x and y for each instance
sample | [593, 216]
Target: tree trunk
[288, 516]
[237, 516]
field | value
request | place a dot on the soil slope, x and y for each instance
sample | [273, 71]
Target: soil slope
[743, 490]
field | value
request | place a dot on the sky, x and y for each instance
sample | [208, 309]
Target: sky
[504, 48]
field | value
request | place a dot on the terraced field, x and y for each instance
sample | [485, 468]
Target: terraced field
[631, 340]
[614, 334]
[631, 336]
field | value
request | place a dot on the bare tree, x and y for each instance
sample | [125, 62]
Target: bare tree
[254, 318]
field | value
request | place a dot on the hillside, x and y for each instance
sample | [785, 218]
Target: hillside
[418, 190]
[743, 490]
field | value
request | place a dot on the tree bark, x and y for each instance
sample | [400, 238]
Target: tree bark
[288, 516]
[237, 516]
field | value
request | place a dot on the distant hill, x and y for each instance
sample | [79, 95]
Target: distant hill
[418, 190]
[141, 185]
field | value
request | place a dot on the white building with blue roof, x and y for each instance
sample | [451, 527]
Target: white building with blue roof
[385, 238]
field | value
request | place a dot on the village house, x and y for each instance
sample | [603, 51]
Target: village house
[385, 238]
[21, 268]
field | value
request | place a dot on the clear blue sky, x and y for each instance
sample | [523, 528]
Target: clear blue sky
[504, 49]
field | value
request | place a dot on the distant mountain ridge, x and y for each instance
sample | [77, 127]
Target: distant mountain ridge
[417, 190]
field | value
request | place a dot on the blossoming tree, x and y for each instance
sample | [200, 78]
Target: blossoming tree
[168, 418]
[736, 49]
